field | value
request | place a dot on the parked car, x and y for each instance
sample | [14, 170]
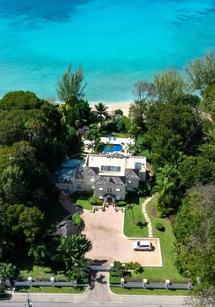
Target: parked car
[142, 246]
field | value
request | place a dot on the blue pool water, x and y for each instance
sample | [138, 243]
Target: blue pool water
[116, 41]
[113, 148]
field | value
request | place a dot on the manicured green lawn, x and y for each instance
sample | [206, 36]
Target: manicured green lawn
[169, 270]
[131, 229]
[82, 200]
[38, 272]
[114, 277]
[71, 290]
[119, 290]
[84, 203]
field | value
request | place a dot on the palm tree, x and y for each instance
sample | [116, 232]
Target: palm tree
[131, 207]
[101, 111]
[73, 248]
[166, 180]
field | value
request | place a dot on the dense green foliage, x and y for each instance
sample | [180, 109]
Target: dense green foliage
[176, 130]
[195, 234]
[35, 135]
[173, 122]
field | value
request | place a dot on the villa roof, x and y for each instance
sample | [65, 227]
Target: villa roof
[91, 171]
[106, 179]
[131, 173]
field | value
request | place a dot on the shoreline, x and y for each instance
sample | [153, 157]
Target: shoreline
[112, 106]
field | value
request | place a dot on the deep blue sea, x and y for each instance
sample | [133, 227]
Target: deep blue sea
[117, 42]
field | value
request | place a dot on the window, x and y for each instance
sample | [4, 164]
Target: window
[109, 190]
[92, 179]
[117, 190]
[101, 189]
[110, 168]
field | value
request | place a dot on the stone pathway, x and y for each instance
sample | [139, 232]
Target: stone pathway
[149, 224]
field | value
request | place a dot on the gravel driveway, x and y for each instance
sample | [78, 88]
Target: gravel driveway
[105, 230]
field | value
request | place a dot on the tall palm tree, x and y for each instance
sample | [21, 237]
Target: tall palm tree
[166, 180]
[101, 111]
[131, 208]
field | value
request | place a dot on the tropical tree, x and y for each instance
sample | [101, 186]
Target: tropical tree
[79, 270]
[8, 271]
[166, 182]
[38, 253]
[13, 184]
[20, 100]
[130, 207]
[208, 104]
[101, 111]
[168, 86]
[71, 85]
[144, 91]
[137, 113]
[195, 235]
[73, 248]
[201, 72]
[118, 267]
[23, 220]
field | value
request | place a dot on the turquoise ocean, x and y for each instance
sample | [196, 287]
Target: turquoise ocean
[117, 42]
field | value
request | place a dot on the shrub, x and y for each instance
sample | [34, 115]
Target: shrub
[121, 203]
[141, 224]
[95, 201]
[76, 219]
[160, 227]
[135, 266]
[118, 267]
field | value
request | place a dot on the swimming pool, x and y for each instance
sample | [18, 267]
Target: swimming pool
[112, 148]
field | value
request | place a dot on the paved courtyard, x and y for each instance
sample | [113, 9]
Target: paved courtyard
[105, 230]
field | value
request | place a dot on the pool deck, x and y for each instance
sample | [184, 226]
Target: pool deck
[115, 140]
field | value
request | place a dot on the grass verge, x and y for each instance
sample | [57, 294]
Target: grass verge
[131, 228]
[82, 200]
[39, 272]
[70, 290]
[119, 290]
[167, 240]
[114, 277]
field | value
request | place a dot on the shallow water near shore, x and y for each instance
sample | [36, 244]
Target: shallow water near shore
[117, 42]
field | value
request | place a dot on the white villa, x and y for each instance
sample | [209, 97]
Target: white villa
[108, 176]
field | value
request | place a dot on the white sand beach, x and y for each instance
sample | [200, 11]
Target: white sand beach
[123, 105]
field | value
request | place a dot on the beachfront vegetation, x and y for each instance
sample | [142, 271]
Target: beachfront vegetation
[35, 136]
[176, 129]
[172, 121]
